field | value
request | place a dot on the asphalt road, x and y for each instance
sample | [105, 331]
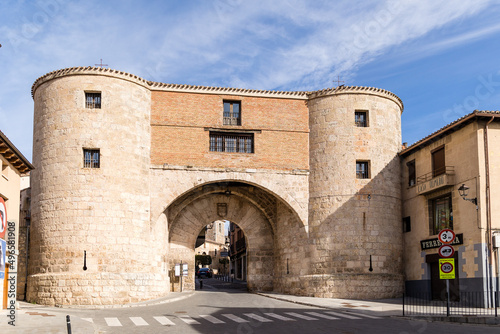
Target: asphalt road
[224, 308]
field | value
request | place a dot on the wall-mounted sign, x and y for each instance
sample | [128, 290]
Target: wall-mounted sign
[435, 243]
[3, 218]
[177, 270]
[184, 269]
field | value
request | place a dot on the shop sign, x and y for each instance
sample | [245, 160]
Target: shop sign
[435, 243]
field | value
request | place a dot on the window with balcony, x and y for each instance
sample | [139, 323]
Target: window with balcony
[440, 214]
[438, 162]
[232, 113]
[231, 142]
[91, 158]
[362, 169]
[92, 100]
[361, 118]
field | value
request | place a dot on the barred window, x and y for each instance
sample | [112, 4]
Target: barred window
[93, 100]
[232, 113]
[362, 170]
[361, 118]
[231, 142]
[91, 158]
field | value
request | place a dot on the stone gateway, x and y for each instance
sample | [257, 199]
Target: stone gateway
[129, 171]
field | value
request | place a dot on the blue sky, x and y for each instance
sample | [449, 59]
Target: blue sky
[440, 57]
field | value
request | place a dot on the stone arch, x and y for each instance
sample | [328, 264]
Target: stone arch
[252, 208]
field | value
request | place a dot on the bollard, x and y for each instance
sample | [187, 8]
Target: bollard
[201, 284]
[68, 324]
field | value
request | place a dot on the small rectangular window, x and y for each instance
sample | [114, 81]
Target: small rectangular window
[406, 224]
[93, 100]
[231, 142]
[411, 173]
[91, 158]
[361, 118]
[438, 162]
[232, 113]
[362, 170]
[440, 214]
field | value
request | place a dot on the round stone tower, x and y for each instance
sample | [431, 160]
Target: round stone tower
[90, 233]
[355, 210]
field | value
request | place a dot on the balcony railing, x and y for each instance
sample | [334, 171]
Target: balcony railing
[448, 170]
[435, 180]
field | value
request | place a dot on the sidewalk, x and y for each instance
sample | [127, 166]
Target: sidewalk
[34, 318]
[384, 307]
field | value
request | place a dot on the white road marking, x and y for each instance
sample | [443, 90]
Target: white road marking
[188, 320]
[367, 316]
[88, 319]
[343, 315]
[138, 321]
[164, 321]
[212, 319]
[234, 318]
[113, 322]
[305, 317]
[257, 317]
[324, 316]
[279, 317]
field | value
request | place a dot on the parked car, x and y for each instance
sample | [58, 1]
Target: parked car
[207, 272]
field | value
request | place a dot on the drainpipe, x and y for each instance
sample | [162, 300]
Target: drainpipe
[488, 210]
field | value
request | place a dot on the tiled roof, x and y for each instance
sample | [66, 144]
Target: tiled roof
[450, 128]
[208, 89]
[13, 156]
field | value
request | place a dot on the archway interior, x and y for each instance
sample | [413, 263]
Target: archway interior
[257, 212]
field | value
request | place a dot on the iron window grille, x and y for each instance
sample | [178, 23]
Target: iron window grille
[361, 119]
[93, 100]
[231, 142]
[362, 170]
[91, 158]
[232, 113]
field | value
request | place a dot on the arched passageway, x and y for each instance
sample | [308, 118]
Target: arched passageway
[260, 214]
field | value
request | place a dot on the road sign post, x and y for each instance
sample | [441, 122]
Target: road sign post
[446, 263]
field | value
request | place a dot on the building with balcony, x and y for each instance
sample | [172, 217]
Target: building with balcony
[462, 155]
[14, 167]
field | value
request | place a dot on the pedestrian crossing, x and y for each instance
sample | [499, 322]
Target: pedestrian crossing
[225, 318]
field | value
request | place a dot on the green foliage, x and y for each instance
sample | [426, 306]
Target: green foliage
[204, 260]
[224, 260]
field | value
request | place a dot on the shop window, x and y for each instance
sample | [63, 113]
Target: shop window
[440, 214]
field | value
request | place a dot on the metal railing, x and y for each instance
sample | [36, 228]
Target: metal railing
[467, 303]
[448, 170]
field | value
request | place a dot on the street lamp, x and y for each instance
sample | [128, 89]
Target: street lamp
[464, 191]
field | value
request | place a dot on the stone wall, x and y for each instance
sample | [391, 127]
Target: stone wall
[352, 219]
[101, 211]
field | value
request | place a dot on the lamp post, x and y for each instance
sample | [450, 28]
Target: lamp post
[464, 191]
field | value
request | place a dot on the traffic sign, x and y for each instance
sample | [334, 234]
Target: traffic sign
[446, 236]
[447, 268]
[446, 251]
[3, 217]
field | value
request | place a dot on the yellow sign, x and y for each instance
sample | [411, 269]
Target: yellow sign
[447, 268]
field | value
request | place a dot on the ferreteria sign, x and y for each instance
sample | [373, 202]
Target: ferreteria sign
[435, 243]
